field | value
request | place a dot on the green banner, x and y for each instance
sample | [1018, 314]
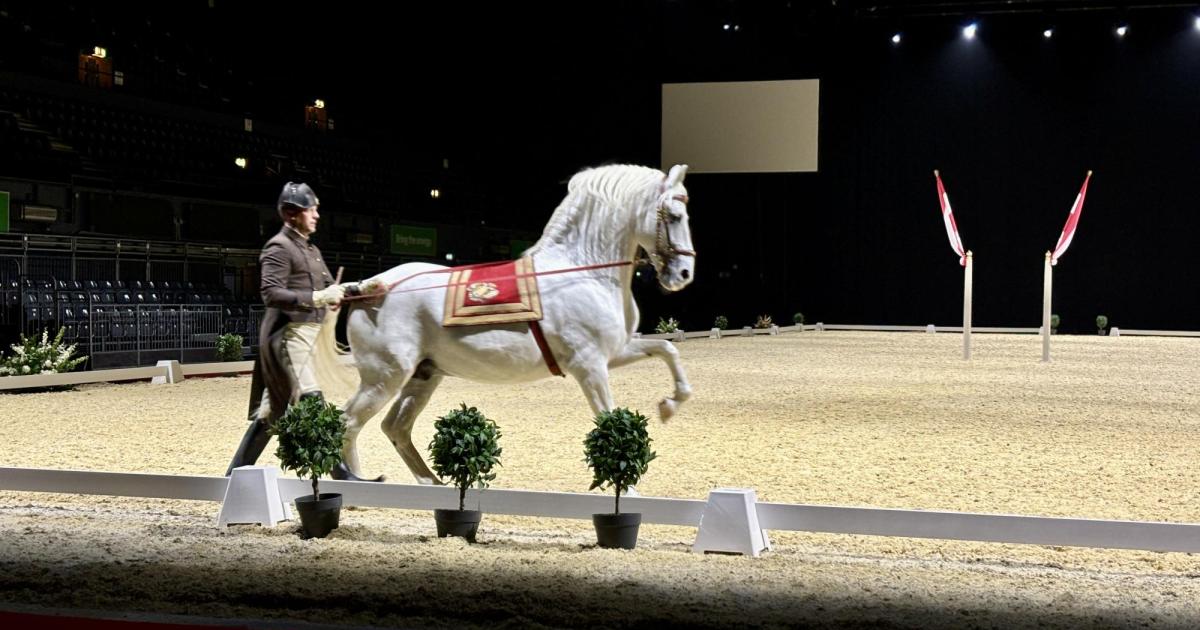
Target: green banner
[418, 241]
[519, 246]
[3, 211]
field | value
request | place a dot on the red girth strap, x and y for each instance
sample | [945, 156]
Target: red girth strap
[536, 329]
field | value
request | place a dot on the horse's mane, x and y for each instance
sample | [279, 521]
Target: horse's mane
[600, 192]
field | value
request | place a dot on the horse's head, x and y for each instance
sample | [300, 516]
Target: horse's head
[665, 234]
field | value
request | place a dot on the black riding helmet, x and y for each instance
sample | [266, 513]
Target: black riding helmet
[296, 196]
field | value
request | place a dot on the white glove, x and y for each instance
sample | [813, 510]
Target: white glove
[328, 296]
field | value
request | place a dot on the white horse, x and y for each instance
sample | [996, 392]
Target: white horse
[589, 316]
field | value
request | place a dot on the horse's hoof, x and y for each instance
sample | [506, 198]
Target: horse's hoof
[666, 409]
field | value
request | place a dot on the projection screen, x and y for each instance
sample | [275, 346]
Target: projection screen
[741, 127]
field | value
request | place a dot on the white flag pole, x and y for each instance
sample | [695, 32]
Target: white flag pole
[1047, 280]
[967, 306]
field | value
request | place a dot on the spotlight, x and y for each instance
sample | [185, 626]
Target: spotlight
[726, 27]
[99, 52]
[896, 38]
[435, 193]
[1121, 30]
[240, 162]
[1198, 23]
[450, 256]
[969, 30]
[319, 104]
[1048, 33]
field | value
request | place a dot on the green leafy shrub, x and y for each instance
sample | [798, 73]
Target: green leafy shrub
[465, 447]
[310, 438]
[229, 347]
[618, 450]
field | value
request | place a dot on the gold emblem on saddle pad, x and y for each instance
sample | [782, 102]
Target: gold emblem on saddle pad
[481, 291]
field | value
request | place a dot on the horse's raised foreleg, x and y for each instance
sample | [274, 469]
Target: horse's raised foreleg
[594, 382]
[398, 424]
[638, 349]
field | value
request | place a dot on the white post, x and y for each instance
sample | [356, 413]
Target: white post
[967, 306]
[1047, 279]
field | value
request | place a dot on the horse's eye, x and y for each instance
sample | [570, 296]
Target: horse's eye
[675, 218]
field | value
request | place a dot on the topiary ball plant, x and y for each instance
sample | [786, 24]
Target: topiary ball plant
[618, 450]
[721, 322]
[310, 438]
[1054, 321]
[1101, 323]
[464, 449]
[798, 319]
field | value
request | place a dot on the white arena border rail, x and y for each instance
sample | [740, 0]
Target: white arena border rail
[996, 528]
[747, 331]
[173, 371]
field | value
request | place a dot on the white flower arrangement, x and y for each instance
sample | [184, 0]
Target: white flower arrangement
[47, 356]
[668, 325]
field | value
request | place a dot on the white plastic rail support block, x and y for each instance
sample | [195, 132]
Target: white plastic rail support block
[820, 326]
[930, 328]
[1114, 332]
[174, 373]
[679, 336]
[747, 331]
[715, 333]
[252, 496]
[730, 524]
[774, 330]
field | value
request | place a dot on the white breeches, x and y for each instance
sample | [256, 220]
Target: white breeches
[298, 342]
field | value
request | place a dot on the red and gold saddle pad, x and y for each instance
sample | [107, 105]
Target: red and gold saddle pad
[496, 293]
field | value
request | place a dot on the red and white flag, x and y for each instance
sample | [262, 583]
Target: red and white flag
[951, 227]
[1068, 233]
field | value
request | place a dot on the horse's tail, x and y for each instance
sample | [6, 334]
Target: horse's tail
[335, 373]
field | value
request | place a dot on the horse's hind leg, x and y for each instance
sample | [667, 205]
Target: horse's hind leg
[398, 423]
[362, 406]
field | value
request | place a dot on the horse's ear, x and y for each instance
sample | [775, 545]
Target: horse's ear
[675, 177]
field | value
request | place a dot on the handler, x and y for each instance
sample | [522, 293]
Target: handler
[296, 288]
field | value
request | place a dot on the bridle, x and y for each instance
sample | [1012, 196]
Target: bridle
[664, 250]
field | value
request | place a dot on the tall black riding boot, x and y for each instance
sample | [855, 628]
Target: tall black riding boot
[253, 443]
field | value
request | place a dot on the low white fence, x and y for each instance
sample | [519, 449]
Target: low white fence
[1159, 333]
[1000, 528]
[173, 371]
[165, 371]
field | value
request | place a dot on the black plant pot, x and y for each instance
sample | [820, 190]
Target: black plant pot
[460, 523]
[319, 517]
[617, 531]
